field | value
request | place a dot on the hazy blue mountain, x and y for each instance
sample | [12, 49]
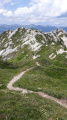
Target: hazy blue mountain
[8, 27]
[38, 27]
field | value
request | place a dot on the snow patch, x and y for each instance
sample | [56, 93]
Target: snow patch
[2, 41]
[1, 52]
[9, 50]
[46, 45]
[31, 40]
[52, 56]
[60, 51]
[6, 45]
[37, 63]
[53, 43]
[35, 47]
[60, 33]
[64, 40]
[34, 57]
[43, 42]
[12, 33]
[66, 56]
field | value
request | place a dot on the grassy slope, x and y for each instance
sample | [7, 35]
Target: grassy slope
[50, 77]
[15, 106]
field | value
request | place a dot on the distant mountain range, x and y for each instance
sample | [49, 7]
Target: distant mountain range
[38, 27]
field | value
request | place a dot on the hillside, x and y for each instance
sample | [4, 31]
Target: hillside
[13, 41]
[46, 53]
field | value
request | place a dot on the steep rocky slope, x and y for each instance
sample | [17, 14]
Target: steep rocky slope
[12, 42]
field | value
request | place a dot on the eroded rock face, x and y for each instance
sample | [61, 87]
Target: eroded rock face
[13, 41]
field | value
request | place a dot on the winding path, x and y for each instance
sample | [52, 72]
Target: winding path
[24, 91]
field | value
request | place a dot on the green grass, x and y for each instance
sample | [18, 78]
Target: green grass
[39, 38]
[6, 75]
[15, 106]
[24, 54]
[50, 77]
[38, 78]
[9, 69]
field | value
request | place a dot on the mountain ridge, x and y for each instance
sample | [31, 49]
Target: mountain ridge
[13, 41]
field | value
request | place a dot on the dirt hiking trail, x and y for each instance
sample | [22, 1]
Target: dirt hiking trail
[24, 91]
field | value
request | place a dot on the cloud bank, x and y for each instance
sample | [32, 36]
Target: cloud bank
[46, 12]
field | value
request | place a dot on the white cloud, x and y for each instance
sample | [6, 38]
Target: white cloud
[7, 13]
[24, 10]
[44, 8]
[2, 11]
[50, 7]
[38, 11]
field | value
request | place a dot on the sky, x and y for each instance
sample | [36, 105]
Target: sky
[38, 12]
